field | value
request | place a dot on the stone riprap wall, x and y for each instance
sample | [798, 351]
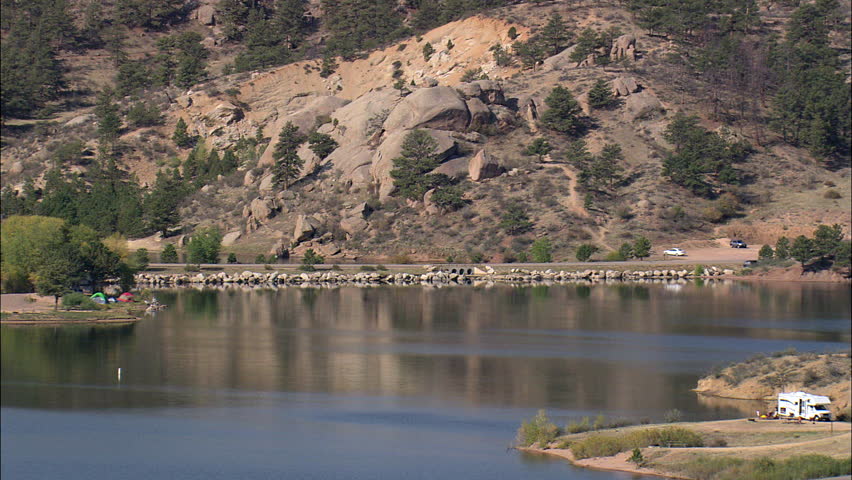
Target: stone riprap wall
[434, 277]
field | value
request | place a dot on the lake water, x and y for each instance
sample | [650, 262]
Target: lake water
[385, 382]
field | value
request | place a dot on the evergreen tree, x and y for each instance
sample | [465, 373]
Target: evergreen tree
[357, 25]
[169, 254]
[698, 154]
[782, 248]
[642, 248]
[606, 168]
[802, 249]
[229, 162]
[625, 251]
[98, 263]
[109, 121]
[827, 240]
[181, 135]
[288, 164]
[161, 204]
[539, 147]
[765, 253]
[564, 114]
[58, 272]
[321, 144]
[585, 251]
[600, 96]
[530, 53]
[411, 169]
[554, 36]
[30, 73]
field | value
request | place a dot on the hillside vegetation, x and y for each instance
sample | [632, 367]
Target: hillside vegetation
[474, 130]
[762, 377]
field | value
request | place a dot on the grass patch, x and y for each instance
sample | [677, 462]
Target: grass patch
[605, 445]
[795, 468]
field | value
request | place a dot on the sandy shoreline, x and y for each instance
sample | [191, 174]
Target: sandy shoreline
[617, 463]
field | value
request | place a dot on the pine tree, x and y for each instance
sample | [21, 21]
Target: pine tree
[288, 164]
[606, 167]
[641, 248]
[554, 36]
[181, 136]
[169, 254]
[782, 248]
[564, 114]
[58, 272]
[600, 96]
[802, 249]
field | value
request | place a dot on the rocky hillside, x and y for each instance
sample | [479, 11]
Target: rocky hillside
[763, 377]
[482, 115]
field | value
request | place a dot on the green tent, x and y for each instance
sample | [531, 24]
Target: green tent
[99, 298]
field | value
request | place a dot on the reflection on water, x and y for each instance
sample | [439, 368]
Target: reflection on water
[618, 348]
[247, 384]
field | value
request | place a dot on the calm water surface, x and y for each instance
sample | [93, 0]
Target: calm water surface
[385, 382]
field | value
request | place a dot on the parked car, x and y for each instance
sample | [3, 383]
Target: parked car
[750, 263]
[738, 244]
[676, 252]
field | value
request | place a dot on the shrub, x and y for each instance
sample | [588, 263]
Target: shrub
[191, 267]
[585, 252]
[232, 258]
[541, 251]
[204, 246]
[476, 256]
[765, 253]
[699, 270]
[312, 258]
[78, 301]
[381, 268]
[539, 430]
[605, 445]
[614, 256]
[260, 259]
[581, 427]
[637, 457]
[672, 416]
[832, 194]
[367, 268]
[428, 50]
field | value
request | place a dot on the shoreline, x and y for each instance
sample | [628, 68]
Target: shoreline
[749, 438]
[593, 463]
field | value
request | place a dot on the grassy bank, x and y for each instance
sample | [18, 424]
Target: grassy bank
[717, 450]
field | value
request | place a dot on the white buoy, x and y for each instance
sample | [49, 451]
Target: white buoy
[119, 374]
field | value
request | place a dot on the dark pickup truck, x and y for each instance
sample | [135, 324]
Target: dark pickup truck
[738, 244]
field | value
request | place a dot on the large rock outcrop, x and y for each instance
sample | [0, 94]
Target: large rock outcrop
[623, 47]
[561, 60]
[436, 107]
[642, 105]
[483, 166]
[306, 228]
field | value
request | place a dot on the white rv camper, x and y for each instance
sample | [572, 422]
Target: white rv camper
[803, 405]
